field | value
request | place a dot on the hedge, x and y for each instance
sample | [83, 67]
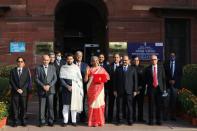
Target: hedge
[189, 79]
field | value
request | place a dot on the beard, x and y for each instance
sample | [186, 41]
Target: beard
[69, 63]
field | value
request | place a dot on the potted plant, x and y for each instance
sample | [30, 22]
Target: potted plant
[3, 114]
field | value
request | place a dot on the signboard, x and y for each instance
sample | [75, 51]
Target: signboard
[145, 50]
[43, 48]
[118, 45]
[17, 47]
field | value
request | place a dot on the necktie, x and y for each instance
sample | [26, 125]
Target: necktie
[125, 68]
[155, 84]
[172, 68]
[19, 72]
[45, 70]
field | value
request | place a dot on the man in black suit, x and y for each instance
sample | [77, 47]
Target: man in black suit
[125, 88]
[110, 93]
[103, 63]
[173, 81]
[155, 82]
[45, 80]
[57, 62]
[139, 98]
[20, 80]
[83, 68]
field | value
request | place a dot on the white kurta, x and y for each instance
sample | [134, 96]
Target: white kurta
[73, 72]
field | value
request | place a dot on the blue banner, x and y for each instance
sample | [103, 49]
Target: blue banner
[17, 47]
[145, 50]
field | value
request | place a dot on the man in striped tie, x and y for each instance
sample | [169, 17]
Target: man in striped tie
[155, 83]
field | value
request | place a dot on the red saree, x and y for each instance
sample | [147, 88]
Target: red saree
[95, 94]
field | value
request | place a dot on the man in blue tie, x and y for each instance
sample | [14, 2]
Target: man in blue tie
[173, 81]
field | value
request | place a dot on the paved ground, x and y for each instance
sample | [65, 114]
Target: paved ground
[180, 125]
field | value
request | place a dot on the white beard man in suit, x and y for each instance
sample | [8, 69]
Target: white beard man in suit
[20, 80]
[125, 88]
[46, 79]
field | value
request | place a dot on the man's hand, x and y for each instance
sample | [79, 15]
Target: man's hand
[20, 91]
[115, 93]
[70, 88]
[172, 82]
[135, 93]
[46, 88]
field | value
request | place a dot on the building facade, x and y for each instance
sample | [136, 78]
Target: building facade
[67, 25]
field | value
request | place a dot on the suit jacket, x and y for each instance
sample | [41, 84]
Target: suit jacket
[83, 68]
[160, 77]
[21, 82]
[140, 75]
[177, 74]
[42, 79]
[112, 72]
[125, 82]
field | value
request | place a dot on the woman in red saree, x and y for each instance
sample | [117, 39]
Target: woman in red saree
[95, 93]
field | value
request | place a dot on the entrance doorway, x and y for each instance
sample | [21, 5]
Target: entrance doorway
[177, 39]
[78, 22]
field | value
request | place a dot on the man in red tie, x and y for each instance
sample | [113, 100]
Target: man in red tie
[155, 83]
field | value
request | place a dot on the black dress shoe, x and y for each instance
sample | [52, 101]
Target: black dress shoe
[158, 123]
[117, 123]
[173, 119]
[74, 124]
[41, 124]
[50, 124]
[64, 124]
[14, 124]
[130, 123]
[23, 124]
[141, 121]
[150, 123]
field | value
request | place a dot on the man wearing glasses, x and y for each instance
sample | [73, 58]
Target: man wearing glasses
[155, 82]
[20, 78]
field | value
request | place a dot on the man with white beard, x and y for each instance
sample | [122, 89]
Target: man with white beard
[72, 90]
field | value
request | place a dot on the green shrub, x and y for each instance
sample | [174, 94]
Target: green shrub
[4, 89]
[3, 110]
[5, 70]
[188, 102]
[189, 78]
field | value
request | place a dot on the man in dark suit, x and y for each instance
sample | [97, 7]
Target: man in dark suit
[57, 62]
[83, 67]
[155, 82]
[173, 81]
[103, 63]
[46, 79]
[110, 93]
[125, 88]
[20, 80]
[139, 98]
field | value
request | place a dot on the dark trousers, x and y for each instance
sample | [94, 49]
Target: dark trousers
[172, 101]
[119, 103]
[155, 100]
[58, 105]
[46, 102]
[138, 102]
[111, 100]
[18, 104]
[83, 115]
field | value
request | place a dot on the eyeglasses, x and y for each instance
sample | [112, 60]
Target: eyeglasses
[20, 61]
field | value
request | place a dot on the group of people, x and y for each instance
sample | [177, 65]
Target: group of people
[94, 92]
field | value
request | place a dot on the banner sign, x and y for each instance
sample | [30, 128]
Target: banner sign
[17, 47]
[145, 50]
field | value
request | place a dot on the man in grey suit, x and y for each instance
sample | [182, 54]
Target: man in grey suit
[46, 79]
